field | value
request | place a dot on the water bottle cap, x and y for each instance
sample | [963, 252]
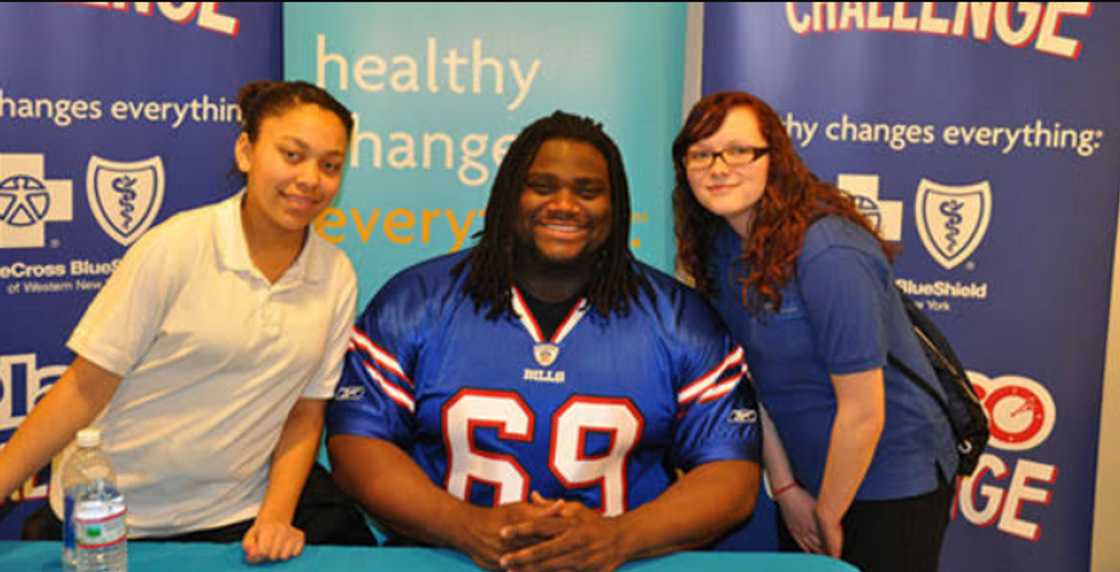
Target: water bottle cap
[89, 437]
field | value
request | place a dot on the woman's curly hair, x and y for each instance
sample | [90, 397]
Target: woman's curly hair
[792, 200]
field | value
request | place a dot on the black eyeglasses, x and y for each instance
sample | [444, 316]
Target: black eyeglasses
[734, 156]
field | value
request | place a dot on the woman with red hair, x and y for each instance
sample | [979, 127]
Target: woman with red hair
[806, 285]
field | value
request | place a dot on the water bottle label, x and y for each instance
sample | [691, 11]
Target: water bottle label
[100, 532]
[68, 522]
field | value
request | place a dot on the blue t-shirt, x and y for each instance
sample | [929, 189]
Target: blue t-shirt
[840, 315]
[600, 412]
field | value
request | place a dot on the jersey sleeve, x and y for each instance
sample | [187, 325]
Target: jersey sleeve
[844, 297]
[325, 379]
[717, 413]
[376, 394]
[124, 318]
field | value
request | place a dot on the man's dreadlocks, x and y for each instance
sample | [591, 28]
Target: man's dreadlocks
[615, 280]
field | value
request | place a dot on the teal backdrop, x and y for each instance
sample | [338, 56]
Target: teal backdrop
[440, 91]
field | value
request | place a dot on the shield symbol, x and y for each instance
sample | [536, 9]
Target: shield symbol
[125, 197]
[952, 220]
[546, 354]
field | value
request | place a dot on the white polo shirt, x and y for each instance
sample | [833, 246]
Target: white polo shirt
[213, 358]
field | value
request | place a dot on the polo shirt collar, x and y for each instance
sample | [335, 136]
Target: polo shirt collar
[311, 265]
[233, 250]
[727, 241]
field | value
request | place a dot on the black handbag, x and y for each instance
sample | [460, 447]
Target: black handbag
[961, 405]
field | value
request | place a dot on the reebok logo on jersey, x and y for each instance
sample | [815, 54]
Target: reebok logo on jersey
[742, 416]
[350, 393]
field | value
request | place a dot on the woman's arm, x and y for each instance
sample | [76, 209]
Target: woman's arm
[774, 458]
[794, 502]
[71, 404]
[860, 414]
[272, 536]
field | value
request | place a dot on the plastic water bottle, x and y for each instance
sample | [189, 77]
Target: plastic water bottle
[73, 483]
[94, 522]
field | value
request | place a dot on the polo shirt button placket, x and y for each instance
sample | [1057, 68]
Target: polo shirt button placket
[269, 319]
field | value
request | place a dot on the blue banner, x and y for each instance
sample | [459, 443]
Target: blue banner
[978, 135]
[114, 116]
[439, 91]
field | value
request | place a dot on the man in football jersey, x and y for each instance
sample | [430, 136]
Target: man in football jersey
[528, 401]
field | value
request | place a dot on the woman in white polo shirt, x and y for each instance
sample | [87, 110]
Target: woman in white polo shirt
[208, 357]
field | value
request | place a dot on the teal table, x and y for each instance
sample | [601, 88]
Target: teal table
[174, 556]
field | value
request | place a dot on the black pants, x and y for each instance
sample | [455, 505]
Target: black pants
[324, 514]
[891, 535]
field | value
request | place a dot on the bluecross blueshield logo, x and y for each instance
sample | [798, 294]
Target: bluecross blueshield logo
[952, 220]
[125, 197]
[885, 216]
[28, 200]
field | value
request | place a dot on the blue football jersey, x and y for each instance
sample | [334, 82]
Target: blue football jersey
[600, 413]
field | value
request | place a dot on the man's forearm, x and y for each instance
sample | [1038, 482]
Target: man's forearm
[695, 511]
[390, 485]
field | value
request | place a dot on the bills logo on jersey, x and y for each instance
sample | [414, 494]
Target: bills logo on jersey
[546, 354]
[544, 375]
[125, 197]
[952, 220]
